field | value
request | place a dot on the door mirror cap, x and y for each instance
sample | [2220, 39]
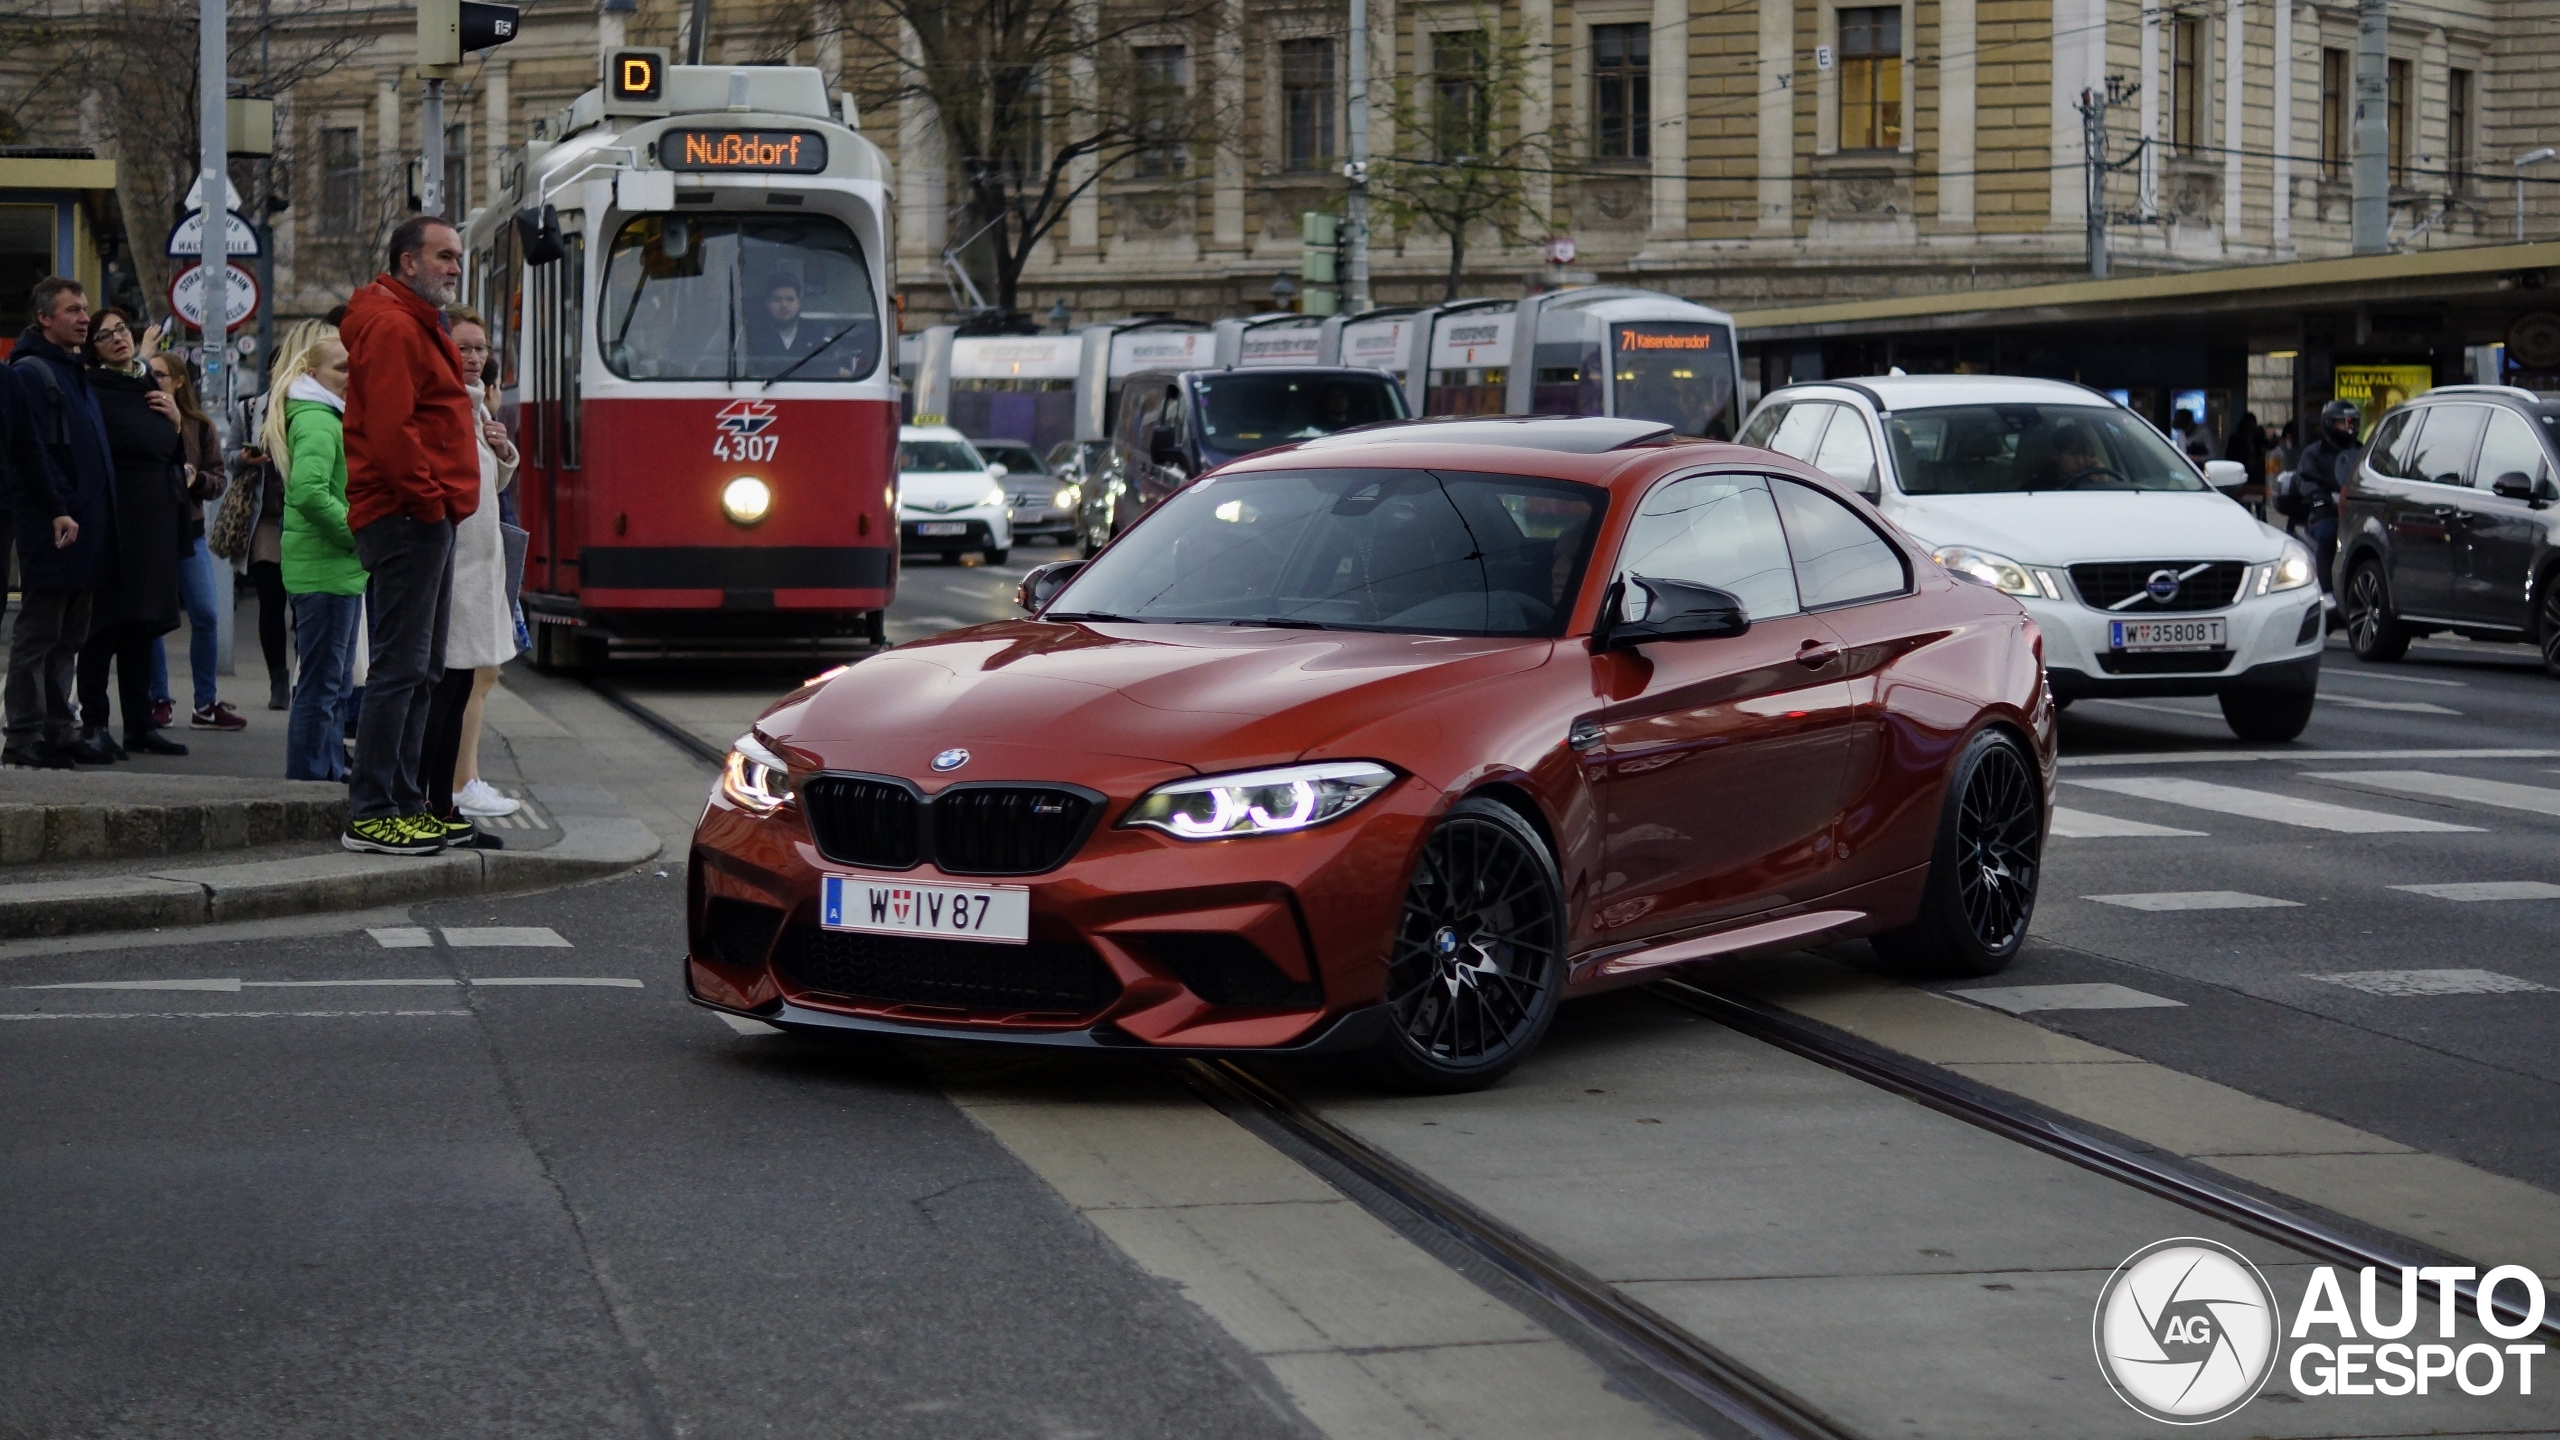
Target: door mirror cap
[2517, 485]
[2225, 475]
[996, 470]
[1162, 447]
[1043, 584]
[1673, 610]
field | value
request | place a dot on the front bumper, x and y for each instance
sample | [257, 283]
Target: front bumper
[983, 528]
[2271, 639]
[1030, 521]
[1316, 909]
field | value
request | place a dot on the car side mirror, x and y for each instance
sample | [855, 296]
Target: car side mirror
[2517, 485]
[2225, 475]
[1162, 447]
[996, 470]
[1673, 610]
[1043, 584]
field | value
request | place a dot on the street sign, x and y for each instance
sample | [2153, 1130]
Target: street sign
[230, 193]
[240, 238]
[239, 296]
[1561, 250]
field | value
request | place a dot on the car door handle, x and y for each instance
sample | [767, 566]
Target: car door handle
[1584, 735]
[2446, 512]
[1814, 654]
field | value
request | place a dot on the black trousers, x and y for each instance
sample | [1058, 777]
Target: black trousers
[408, 600]
[44, 650]
[444, 740]
[128, 648]
[273, 607]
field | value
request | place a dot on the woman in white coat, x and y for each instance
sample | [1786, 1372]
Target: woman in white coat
[480, 631]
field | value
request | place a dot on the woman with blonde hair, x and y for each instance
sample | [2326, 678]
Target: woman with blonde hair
[305, 433]
[480, 634]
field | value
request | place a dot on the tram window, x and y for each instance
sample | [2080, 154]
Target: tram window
[571, 330]
[1678, 372]
[739, 297]
[506, 304]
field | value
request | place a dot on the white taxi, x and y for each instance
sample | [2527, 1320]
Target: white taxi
[951, 499]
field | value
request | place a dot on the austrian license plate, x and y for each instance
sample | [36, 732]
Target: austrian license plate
[942, 527]
[899, 907]
[2166, 634]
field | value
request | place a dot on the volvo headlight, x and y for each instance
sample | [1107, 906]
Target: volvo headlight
[755, 779]
[2293, 569]
[746, 499]
[1984, 568]
[1259, 802]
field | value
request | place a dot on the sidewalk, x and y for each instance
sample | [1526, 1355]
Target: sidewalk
[217, 835]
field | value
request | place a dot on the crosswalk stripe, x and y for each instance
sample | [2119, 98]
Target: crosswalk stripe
[2410, 707]
[2224, 757]
[2487, 890]
[2196, 900]
[2071, 824]
[2265, 805]
[2504, 794]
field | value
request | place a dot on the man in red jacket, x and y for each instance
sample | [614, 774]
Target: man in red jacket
[413, 472]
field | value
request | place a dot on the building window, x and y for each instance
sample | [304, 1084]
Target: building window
[2335, 84]
[457, 171]
[2398, 109]
[1461, 100]
[341, 180]
[1871, 78]
[1306, 102]
[1622, 90]
[1163, 87]
[2187, 70]
[2457, 128]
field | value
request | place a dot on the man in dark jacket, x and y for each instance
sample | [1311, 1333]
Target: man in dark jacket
[413, 473]
[2320, 472]
[63, 499]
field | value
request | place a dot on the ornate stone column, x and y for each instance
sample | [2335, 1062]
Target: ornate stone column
[1671, 120]
[1956, 71]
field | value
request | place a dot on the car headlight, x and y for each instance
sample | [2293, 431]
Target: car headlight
[754, 778]
[1984, 568]
[1068, 498]
[995, 496]
[1259, 802]
[2292, 570]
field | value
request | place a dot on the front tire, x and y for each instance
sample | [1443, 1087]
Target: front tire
[2267, 717]
[2550, 636]
[998, 557]
[1983, 871]
[2372, 633]
[1477, 966]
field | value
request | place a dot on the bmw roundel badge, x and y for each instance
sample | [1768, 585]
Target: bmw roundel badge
[950, 760]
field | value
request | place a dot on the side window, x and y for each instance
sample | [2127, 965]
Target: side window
[2511, 448]
[2443, 450]
[1764, 425]
[1144, 405]
[2389, 453]
[1719, 530]
[1840, 559]
[1802, 430]
[1847, 454]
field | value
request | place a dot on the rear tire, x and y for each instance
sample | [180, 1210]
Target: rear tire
[2267, 716]
[1477, 963]
[2550, 636]
[1983, 872]
[2376, 637]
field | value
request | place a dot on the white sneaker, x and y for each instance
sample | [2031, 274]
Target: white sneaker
[479, 797]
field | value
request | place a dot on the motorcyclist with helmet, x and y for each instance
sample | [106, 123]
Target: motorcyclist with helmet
[2320, 472]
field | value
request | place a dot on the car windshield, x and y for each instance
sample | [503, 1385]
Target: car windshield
[1411, 551]
[1242, 412]
[938, 457]
[2005, 449]
[1017, 458]
[739, 297]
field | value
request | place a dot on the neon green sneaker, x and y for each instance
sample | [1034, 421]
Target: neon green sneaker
[390, 835]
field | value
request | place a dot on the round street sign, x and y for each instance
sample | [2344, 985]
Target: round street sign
[239, 237]
[239, 296]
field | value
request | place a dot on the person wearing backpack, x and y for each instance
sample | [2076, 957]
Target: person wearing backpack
[65, 528]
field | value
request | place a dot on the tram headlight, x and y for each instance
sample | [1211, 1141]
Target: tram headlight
[746, 499]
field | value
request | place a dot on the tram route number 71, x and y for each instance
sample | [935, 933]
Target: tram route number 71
[746, 431]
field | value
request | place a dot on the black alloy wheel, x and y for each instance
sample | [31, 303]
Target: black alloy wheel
[2551, 623]
[1477, 967]
[1984, 871]
[2371, 632]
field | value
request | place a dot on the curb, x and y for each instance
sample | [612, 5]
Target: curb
[590, 847]
[34, 833]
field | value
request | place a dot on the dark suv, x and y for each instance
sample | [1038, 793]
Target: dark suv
[1175, 426]
[2449, 524]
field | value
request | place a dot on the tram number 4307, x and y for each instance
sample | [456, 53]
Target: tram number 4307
[745, 447]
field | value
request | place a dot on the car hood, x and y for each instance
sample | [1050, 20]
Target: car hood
[2053, 527]
[1206, 697]
[941, 487]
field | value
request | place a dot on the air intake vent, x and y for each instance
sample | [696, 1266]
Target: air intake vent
[1067, 980]
[1231, 970]
[738, 932]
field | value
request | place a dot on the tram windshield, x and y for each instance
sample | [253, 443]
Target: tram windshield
[739, 297]
[1680, 373]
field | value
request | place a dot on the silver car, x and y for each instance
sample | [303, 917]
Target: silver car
[1042, 505]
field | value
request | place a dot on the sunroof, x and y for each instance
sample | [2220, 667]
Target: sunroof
[1567, 435]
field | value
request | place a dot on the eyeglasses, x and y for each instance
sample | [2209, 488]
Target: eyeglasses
[111, 332]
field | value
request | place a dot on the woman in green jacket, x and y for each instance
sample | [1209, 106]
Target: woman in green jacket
[307, 435]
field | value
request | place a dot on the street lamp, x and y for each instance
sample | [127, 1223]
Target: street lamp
[1058, 315]
[1282, 292]
[2531, 157]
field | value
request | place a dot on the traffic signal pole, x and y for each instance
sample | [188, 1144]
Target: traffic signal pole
[1355, 207]
[213, 124]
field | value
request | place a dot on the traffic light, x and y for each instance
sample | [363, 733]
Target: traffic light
[1320, 265]
[451, 29]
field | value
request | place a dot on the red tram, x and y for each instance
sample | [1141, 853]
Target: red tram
[690, 289]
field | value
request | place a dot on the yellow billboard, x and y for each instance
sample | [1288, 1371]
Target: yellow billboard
[2377, 388]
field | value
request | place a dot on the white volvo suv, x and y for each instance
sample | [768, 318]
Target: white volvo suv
[2145, 579]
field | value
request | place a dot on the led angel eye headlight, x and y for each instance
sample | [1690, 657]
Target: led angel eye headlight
[1984, 568]
[754, 778]
[1260, 802]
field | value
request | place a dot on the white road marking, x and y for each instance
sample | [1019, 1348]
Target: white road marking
[492, 936]
[2401, 983]
[2410, 707]
[2082, 825]
[2224, 757]
[745, 1026]
[2488, 890]
[338, 984]
[2196, 900]
[606, 980]
[226, 1014]
[2019, 999]
[2265, 805]
[2328, 674]
[943, 621]
[2212, 715]
[226, 987]
[2506, 795]
[402, 937]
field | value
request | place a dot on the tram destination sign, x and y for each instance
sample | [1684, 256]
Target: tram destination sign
[798, 152]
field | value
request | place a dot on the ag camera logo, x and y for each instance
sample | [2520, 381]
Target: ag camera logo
[2186, 1331]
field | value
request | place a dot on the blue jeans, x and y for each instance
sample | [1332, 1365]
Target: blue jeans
[324, 631]
[204, 645]
[2322, 536]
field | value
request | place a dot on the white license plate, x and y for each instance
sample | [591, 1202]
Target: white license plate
[2165, 634]
[901, 907]
[942, 527]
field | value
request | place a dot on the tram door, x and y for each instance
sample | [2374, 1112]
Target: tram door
[553, 505]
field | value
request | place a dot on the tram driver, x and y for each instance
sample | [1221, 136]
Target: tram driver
[783, 336]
